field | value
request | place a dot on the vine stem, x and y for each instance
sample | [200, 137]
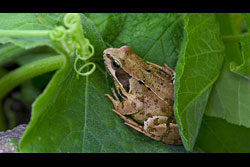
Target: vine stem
[21, 74]
[24, 33]
[234, 38]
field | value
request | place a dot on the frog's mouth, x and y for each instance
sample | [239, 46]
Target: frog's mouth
[117, 72]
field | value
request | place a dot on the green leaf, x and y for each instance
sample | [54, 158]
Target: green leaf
[197, 69]
[154, 37]
[73, 115]
[28, 21]
[230, 96]
[150, 35]
[218, 136]
[108, 24]
[244, 68]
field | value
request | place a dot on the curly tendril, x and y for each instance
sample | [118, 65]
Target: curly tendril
[78, 71]
[73, 41]
[84, 50]
[71, 19]
[90, 51]
[58, 34]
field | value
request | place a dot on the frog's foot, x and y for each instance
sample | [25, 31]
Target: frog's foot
[163, 128]
[125, 107]
[116, 97]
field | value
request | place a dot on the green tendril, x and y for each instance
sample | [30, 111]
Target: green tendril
[78, 71]
[84, 50]
[58, 34]
[73, 41]
[71, 20]
[90, 50]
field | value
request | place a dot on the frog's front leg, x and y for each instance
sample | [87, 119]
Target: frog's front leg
[125, 107]
[163, 128]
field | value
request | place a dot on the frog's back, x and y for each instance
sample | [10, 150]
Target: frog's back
[152, 104]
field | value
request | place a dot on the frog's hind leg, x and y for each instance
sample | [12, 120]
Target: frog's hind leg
[164, 128]
[140, 129]
[127, 120]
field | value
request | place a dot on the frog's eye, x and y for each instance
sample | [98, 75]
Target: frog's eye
[116, 64]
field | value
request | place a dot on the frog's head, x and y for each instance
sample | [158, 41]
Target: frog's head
[118, 55]
[114, 60]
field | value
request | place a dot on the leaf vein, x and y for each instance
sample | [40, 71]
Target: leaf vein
[166, 30]
[200, 93]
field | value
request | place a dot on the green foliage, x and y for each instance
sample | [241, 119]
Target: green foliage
[84, 114]
[208, 52]
[198, 68]
[244, 68]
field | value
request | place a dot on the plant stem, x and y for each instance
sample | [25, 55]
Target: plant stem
[233, 38]
[16, 77]
[24, 33]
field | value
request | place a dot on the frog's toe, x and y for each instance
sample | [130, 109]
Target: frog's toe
[114, 101]
[115, 95]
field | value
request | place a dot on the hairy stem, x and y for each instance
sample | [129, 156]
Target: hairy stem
[16, 77]
[24, 33]
[233, 38]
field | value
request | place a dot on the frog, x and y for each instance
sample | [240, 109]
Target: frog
[147, 91]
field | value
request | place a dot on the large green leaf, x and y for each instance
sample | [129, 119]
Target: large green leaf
[73, 115]
[109, 24]
[230, 96]
[197, 69]
[154, 37]
[224, 126]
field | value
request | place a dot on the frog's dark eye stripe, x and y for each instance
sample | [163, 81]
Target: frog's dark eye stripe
[123, 78]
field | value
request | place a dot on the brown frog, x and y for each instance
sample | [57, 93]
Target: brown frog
[147, 90]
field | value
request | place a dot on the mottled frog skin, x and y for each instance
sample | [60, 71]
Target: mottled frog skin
[147, 91]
